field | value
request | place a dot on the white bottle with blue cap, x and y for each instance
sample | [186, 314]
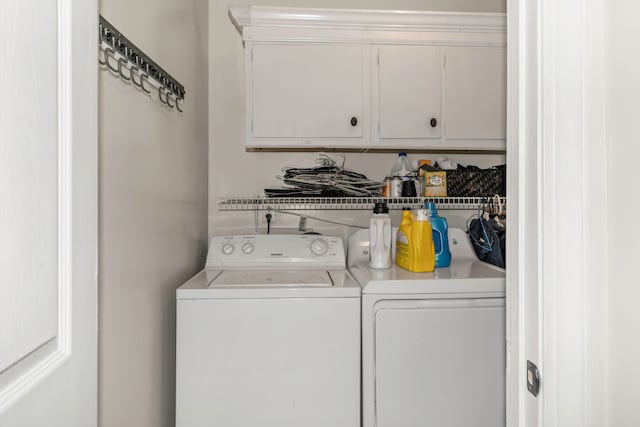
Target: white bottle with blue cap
[402, 167]
[440, 235]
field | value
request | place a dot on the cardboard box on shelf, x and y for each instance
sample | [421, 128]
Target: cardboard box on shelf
[435, 184]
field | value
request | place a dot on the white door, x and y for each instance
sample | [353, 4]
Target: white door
[562, 203]
[307, 91]
[475, 93]
[48, 219]
[522, 269]
[409, 92]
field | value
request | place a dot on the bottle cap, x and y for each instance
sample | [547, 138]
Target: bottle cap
[380, 208]
[402, 153]
[422, 215]
[431, 207]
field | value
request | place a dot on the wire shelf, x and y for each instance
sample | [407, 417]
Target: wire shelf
[348, 203]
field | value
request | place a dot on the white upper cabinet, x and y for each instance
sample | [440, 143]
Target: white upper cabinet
[476, 93]
[373, 79]
[409, 92]
[307, 91]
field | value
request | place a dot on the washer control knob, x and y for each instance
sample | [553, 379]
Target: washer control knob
[247, 248]
[228, 248]
[319, 247]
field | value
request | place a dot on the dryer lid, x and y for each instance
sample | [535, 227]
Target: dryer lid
[462, 277]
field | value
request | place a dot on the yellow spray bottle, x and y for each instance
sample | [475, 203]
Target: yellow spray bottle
[415, 250]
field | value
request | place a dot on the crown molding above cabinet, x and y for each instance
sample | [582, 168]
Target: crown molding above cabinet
[259, 22]
[363, 79]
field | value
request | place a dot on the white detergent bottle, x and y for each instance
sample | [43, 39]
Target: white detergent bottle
[380, 237]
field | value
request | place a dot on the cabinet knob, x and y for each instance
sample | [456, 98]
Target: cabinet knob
[433, 122]
[354, 121]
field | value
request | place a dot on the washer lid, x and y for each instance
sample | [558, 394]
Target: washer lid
[272, 279]
[269, 284]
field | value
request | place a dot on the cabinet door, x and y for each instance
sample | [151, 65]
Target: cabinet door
[307, 91]
[475, 93]
[409, 91]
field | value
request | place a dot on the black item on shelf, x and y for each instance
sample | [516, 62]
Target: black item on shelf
[472, 181]
[409, 188]
[325, 181]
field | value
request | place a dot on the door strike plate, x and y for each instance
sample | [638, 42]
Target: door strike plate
[533, 378]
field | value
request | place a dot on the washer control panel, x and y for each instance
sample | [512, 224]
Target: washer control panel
[267, 250]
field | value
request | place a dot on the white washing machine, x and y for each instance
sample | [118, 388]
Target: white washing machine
[433, 344]
[268, 334]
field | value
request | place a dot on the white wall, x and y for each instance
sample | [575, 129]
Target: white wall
[235, 172]
[153, 209]
[623, 152]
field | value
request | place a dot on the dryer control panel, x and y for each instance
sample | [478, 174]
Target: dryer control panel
[273, 250]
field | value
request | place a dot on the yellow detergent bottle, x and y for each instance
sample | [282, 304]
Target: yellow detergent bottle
[415, 250]
[402, 239]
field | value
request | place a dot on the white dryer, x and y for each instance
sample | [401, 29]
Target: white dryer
[433, 344]
[268, 334]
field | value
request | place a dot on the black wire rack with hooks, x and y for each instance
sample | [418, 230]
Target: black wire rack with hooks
[133, 65]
